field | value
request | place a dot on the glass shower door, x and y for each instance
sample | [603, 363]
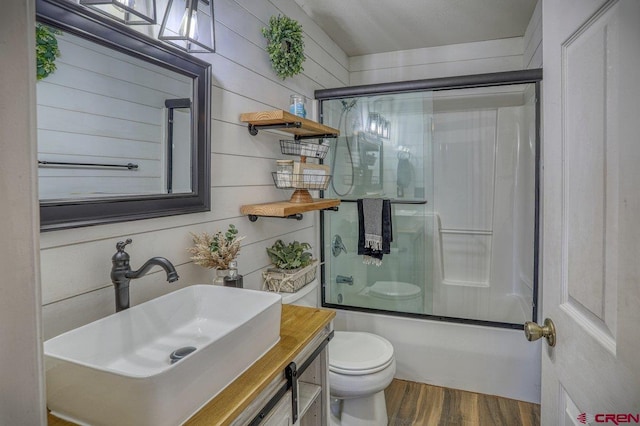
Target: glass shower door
[384, 146]
[459, 166]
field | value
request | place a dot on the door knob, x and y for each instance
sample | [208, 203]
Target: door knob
[533, 331]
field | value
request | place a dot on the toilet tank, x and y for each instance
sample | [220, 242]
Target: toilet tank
[306, 296]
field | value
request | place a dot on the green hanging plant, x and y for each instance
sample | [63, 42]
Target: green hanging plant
[285, 45]
[46, 50]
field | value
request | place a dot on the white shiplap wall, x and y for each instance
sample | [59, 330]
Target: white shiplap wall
[76, 287]
[433, 62]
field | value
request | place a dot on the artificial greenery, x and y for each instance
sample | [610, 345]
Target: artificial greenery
[285, 45]
[290, 256]
[229, 236]
[46, 50]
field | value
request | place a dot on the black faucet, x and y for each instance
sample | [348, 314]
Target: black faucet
[121, 273]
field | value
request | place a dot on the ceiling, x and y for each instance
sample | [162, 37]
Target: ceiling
[362, 27]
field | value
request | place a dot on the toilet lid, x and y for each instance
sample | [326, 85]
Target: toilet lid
[357, 353]
[394, 290]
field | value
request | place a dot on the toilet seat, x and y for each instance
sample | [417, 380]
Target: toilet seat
[394, 290]
[358, 354]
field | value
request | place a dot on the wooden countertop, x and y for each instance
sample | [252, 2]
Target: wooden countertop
[297, 328]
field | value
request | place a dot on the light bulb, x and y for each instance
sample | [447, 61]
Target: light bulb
[373, 122]
[385, 130]
[184, 23]
[380, 125]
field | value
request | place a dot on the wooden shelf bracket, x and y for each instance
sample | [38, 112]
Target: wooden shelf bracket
[253, 128]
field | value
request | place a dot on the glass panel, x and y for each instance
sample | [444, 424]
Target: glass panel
[383, 146]
[401, 283]
[459, 167]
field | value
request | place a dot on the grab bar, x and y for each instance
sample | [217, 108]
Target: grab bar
[393, 201]
[466, 231]
[129, 166]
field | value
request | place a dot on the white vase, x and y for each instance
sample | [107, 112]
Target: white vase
[218, 278]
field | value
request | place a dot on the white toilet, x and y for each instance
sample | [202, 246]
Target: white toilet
[361, 366]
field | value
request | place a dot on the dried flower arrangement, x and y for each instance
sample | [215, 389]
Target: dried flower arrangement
[217, 250]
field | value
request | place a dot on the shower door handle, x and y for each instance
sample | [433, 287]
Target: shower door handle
[533, 331]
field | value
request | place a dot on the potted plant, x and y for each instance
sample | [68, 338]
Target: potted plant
[294, 267]
[215, 251]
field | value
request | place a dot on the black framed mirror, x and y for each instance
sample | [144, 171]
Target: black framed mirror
[113, 147]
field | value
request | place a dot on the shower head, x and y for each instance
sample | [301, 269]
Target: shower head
[347, 105]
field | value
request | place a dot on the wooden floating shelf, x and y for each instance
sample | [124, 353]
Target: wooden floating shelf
[284, 121]
[287, 208]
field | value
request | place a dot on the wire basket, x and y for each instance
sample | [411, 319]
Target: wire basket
[300, 181]
[305, 149]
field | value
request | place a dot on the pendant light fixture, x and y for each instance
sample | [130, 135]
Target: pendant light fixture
[130, 12]
[188, 25]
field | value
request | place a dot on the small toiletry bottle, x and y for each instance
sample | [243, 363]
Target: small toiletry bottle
[233, 279]
[297, 105]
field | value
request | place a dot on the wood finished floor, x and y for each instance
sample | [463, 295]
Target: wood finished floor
[411, 403]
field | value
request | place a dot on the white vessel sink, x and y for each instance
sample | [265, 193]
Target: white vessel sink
[118, 371]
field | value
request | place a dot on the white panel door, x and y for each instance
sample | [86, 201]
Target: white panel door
[591, 211]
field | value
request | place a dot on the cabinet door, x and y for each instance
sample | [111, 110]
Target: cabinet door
[280, 415]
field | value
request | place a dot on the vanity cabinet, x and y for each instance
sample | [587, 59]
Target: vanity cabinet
[298, 396]
[281, 414]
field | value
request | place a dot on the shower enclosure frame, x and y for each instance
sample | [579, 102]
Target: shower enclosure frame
[530, 76]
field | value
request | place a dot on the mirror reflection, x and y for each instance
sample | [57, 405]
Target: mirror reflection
[112, 125]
